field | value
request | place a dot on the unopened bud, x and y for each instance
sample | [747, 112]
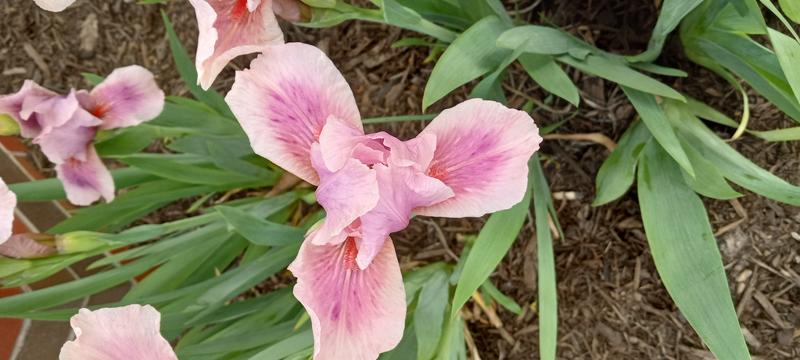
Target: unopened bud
[79, 241]
[8, 126]
[28, 246]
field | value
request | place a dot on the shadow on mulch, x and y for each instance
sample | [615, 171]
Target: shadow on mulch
[612, 304]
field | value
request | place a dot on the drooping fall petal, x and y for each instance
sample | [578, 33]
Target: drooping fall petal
[86, 181]
[54, 5]
[124, 333]
[482, 152]
[346, 194]
[284, 100]
[20, 106]
[355, 314]
[230, 28]
[128, 96]
[8, 202]
[26, 246]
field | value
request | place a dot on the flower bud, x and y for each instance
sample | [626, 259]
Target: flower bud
[8, 126]
[79, 241]
[28, 246]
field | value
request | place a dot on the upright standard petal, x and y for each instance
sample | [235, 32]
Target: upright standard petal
[125, 333]
[345, 195]
[355, 314]
[86, 181]
[284, 100]
[8, 202]
[230, 28]
[71, 140]
[128, 96]
[20, 107]
[482, 152]
[54, 5]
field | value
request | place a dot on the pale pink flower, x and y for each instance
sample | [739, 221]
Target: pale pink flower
[54, 5]
[65, 126]
[230, 28]
[8, 202]
[28, 246]
[299, 112]
[124, 333]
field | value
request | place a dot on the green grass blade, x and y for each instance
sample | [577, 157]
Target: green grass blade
[545, 72]
[672, 12]
[617, 71]
[617, 173]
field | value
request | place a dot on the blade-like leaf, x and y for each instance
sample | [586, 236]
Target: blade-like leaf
[490, 247]
[470, 55]
[259, 231]
[618, 72]
[618, 171]
[653, 116]
[672, 12]
[788, 51]
[431, 313]
[546, 265]
[686, 254]
[544, 70]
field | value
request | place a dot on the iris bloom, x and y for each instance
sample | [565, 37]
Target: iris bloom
[299, 112]
[54, 5]
[124, 333]
[230, 28]
[65, 126]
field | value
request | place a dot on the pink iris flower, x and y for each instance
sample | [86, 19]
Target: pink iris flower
[230, 28]
[54, 5]
[64, 126]
[299, 112]
[124, 333]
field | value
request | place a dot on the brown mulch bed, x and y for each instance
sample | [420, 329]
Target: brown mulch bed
[611, 303]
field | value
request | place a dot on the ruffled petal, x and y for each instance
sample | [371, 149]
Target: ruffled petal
[230, 28]
[86, 181]
[355, 314]
[128, 96]
[402, 189]
[341, 141]
[284, 100]
[8, 202]
[20, 106]
[54, 5]
[71, 140]
[482, 152]
[125, 333]
[345, 195]
[26, 246]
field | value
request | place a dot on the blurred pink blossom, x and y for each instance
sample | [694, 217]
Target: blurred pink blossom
[64, 126]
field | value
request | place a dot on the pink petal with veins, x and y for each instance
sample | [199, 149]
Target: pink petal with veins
[21, 105]
[86, 181]
[129, 96]
[482, 152]
[124, 333]
[285, 99]
[355, 314]
[230, 28]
